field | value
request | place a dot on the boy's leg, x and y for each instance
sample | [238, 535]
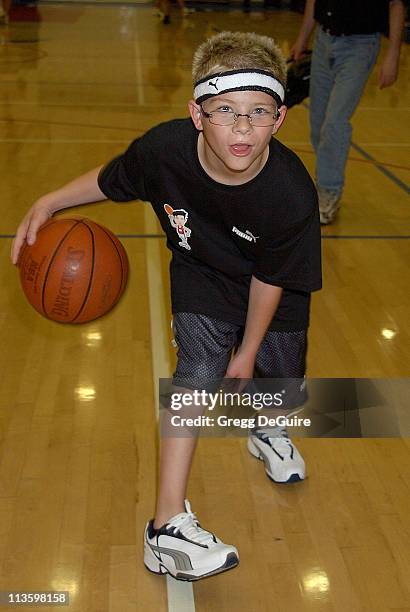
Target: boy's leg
[204, 350]
[176, 456]
[174, 542]
[281, 358]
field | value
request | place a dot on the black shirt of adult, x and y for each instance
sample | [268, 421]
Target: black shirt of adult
[347, 17]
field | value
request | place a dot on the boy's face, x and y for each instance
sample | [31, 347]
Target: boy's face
[237, 150]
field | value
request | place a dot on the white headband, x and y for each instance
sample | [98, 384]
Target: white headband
[239, 80]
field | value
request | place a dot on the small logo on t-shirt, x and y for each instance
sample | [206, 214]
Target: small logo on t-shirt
[178, 218]
[246, 234]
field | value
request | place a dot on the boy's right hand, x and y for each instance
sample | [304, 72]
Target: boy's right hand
[38, 214]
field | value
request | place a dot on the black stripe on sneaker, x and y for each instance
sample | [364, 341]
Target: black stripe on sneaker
[271, 447]
[167, 530]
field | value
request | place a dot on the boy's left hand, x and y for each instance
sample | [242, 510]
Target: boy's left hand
[241, 366]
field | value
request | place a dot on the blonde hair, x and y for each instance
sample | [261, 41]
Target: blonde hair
[236, 51]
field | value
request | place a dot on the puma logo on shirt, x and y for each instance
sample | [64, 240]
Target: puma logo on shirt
[246, 234]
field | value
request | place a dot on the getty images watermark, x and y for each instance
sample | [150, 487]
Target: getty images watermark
[186, 410]
[314, 407]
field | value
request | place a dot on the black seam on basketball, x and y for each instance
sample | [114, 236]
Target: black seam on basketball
[87, 293]
[51, 261]
[119, 257]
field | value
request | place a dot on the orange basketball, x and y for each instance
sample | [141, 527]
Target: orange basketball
[75, 272]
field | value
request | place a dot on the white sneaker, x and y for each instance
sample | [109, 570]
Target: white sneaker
[283, 462]
[184, 550]
[329, 204]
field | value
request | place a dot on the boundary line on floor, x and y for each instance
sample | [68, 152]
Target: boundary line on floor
[324, 236]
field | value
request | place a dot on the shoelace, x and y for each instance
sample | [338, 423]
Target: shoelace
[188, 525]
[281, 442]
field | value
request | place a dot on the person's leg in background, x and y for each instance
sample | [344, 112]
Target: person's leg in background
[352, 59]
[322, 78]
[321, 83]
[165, 8]
[5, 6]
[184, 10]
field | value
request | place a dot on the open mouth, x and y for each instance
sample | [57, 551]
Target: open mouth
[240, 149]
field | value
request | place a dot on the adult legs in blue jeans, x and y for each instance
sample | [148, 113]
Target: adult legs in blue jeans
[340, 68]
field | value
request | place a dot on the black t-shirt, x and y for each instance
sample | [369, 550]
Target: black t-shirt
[220, 235]
[352, 16]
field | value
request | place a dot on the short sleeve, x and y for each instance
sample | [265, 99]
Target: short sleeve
[292, 258]
[122, 179]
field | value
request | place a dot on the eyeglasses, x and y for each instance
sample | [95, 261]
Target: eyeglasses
[260, 117]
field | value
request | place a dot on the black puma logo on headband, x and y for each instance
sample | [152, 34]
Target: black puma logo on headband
[214, 84]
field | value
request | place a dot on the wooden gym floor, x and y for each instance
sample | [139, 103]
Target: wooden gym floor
[78, 445]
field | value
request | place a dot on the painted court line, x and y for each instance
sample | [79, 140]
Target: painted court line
[377, 164]
[64, 141]
[161, 366]
[288, 143]
[388, 145]
[156, 105]
[180, 595]
[324, 237]
[358, 237]
[382, 168]
[103, 105]
[383, 108]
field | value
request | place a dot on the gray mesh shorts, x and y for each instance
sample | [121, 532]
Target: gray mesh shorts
[205, 347]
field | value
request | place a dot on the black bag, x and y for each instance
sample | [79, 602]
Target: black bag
[298, 79]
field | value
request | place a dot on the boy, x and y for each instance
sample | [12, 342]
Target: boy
[254, 258]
